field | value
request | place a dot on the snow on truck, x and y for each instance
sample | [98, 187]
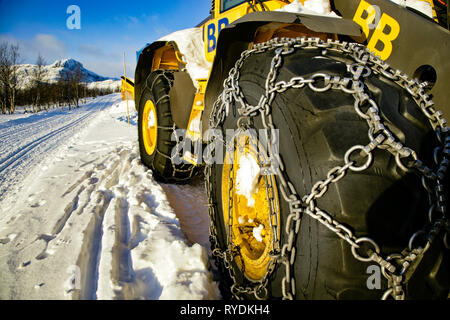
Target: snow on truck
[318, 128]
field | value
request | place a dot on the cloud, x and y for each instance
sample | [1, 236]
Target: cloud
[50, 47]
[151, 23]
[133, 21]
[110, 68]
[104, 61]
[92, 50]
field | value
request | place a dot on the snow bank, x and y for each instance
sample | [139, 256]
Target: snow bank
[421, 6]
[113, 85]
[190, 43]
[313, 7]
[322, 7]
[159, 263]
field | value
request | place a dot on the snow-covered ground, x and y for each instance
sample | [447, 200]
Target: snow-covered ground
[82, 218]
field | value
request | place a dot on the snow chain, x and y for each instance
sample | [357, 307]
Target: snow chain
[394, 266]
[190, 169]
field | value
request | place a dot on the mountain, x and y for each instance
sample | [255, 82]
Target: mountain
[54, 72]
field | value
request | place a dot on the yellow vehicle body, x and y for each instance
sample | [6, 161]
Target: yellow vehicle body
[127, 89]
[225, 12]
[223, 17]
[167, 58]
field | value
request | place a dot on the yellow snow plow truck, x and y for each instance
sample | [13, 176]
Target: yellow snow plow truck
[320, 128]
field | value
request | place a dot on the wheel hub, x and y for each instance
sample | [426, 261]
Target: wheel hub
[254, 213]
[149, 127]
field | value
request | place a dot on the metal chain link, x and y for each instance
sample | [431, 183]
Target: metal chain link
[395, 266]
[168, 76]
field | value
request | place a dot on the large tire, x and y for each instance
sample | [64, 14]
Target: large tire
[158, 158]
[316, 129]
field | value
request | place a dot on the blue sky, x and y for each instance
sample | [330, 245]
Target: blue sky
[108, 28]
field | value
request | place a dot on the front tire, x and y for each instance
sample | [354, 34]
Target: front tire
[156, 128]
[316, 129]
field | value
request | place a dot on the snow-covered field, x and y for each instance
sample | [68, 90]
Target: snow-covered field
[82, 218]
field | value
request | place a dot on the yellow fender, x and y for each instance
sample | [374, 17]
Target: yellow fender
[127, 89]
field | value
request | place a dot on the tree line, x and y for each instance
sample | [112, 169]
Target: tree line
[40, 95]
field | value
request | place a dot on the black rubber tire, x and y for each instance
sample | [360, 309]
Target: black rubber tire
[316, 129]
[441, 11]
[157, 88]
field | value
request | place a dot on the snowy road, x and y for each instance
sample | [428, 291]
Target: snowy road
[24, 141]
[82, 218]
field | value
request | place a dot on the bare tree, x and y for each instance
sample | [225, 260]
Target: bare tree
[4, 76]
[78, 78]
[9, 59]
[65, 91]
[73, 82]
[38, 79]
[15, 56]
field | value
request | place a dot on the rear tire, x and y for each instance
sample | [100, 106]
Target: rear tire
[156, 90]
[382, 202]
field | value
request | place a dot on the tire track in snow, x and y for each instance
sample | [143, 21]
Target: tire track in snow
[22, 151]
[78, 204]
[135, 235]
[122, 267]
[14, 132]
[86, 175]
[93, 198]
[70, 208]
[111, 203]
[91, 248]
[14, 128]
[118, 237]
[15, 164]
[190, 205]
[47, 122]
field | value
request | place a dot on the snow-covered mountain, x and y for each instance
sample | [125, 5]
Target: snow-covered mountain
[54, 72]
